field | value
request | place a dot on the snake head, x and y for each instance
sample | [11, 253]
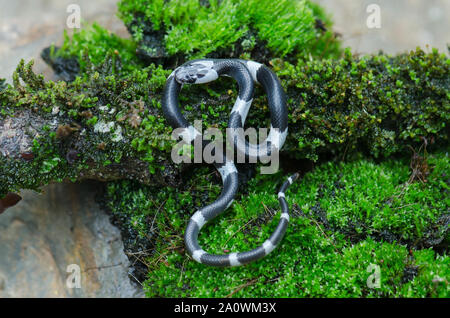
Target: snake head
[196, 72]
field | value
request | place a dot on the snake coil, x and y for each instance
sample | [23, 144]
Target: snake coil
[246, 73]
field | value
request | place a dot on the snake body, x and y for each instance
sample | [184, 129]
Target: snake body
[246, 73]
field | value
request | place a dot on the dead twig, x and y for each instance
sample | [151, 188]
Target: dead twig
[240, 287]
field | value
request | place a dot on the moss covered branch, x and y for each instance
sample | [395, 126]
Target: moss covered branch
[50, 131]
[108, 125]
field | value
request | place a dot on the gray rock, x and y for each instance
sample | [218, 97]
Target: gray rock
[46, 233]
[405, 24]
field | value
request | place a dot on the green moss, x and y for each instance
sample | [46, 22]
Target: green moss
[322, 255]
[96, 42]
[359, 103]
[192, 29]
[433, 276]
[306, 265]
[364, 198]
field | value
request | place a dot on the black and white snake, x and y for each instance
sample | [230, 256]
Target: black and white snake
[246, 73]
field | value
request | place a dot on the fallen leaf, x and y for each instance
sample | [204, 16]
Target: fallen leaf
[11, 199]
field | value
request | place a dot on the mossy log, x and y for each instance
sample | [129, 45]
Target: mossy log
[20, 142]
[106, 125]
